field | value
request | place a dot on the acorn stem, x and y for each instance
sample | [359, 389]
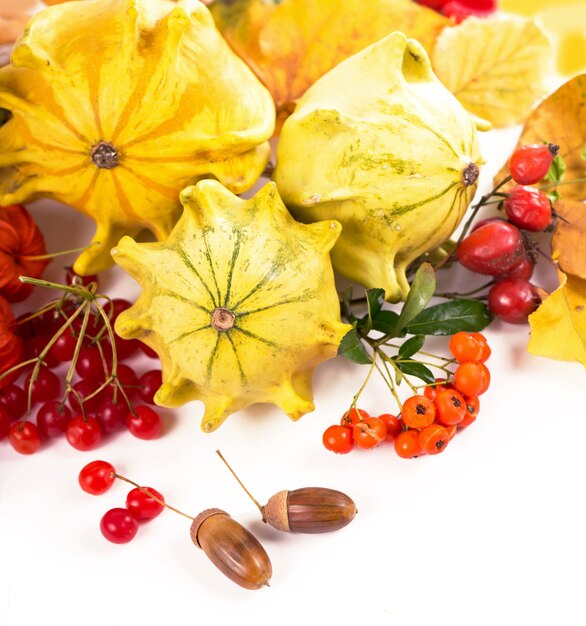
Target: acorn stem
[150, 495]
[260, 507]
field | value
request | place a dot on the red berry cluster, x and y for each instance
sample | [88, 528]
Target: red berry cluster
[94, 403]
[461, 9]
[502, 248]
[429, 421]
[120, 525]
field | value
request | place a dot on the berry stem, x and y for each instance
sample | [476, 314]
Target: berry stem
[450, 295]
[103, 330]
[150, 495]
[359, 392]
[400, 372]
[54, 255]
[260, 507]
[45, 351]
[563, 182]
[84, 323]
[388, 378]
[44, 309]
[79, 291]
[108, 326]
[17, 367]
[439, 358]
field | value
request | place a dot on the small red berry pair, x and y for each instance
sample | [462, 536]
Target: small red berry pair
[120, 525]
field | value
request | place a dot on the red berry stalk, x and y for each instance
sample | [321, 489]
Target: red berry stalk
[106, 386]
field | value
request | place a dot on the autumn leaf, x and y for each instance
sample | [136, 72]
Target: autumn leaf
[11, 27]
[568, 243]
[561, 119]
[558, 327]
[292, 43]
[496, 68]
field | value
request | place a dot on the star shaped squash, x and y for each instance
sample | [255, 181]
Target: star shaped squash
[115, 106]
[239, 303]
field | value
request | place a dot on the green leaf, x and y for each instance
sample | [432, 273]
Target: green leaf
[451, 317]
[557, 169]
[422, 289]
[418, 370]
[411, 347]
[353, 349]
[385, 322]
[374, 299]
[398, 375]
[583, 153]
[553, 196]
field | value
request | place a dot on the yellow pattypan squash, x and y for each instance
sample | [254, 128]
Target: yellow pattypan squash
[117, 105]
[380, 145]
[239, 303]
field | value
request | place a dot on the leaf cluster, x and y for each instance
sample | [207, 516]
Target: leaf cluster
[397, 337]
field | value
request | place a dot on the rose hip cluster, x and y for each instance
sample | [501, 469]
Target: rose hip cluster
[502, 248]
[120, 525]
[429, 421]
[96, 402]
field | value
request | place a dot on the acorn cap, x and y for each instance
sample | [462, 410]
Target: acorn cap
[200, 519]
[275, 511]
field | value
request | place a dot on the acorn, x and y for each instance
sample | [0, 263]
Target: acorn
[309, 510]
[234, 550]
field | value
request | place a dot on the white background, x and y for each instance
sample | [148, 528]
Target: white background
[490, 532]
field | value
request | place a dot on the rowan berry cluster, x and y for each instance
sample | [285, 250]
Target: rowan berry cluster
[427, 422]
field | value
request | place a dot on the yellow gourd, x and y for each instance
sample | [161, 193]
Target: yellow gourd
[239, 303]
[117, 105]
[380, 145]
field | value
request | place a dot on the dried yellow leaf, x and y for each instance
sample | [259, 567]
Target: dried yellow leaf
[569, 239]
[291, 43]
[495, 67]
[558, 327]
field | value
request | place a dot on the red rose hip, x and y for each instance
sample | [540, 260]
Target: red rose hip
[493, 249]
[531, 162]
[528, 208]
[513, 300]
